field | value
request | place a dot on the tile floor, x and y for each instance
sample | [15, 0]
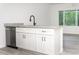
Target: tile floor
[11, 51]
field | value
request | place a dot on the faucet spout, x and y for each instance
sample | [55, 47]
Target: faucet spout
[32, 17]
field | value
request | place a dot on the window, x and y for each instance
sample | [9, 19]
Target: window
[61, 18]
[69, 17]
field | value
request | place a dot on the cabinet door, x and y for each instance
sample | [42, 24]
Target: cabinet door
[26, 41]
[20, 39]
[30, 42]
[39, 39]
[45, 44]
[48, 45]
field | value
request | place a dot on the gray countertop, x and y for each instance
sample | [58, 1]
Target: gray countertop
[30, 26]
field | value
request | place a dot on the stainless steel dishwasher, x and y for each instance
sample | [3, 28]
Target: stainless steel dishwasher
[11, 37]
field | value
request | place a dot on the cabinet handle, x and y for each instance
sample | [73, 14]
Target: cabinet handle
[24, 36]
[44, 38]
[43, 31]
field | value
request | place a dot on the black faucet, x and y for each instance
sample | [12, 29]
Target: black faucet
[33, 19]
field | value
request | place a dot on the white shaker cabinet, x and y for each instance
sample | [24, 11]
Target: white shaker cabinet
[39, 43]
[45, 44]
[46, 41]
[20, 39]
[30, 42]
[49, 46]
[25, 40]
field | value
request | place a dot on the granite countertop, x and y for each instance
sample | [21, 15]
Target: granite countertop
[30, 26]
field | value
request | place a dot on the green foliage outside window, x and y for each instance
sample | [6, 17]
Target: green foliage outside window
[68, 17]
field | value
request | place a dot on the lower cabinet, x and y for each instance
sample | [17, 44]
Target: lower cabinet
[20, 40]
[26, 41]
[45, 44]
[35, 42]
[30, 42]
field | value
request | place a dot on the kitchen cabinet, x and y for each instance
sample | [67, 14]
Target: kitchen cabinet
[41, 40]
[45, 44]
[49, 45]
[20, 39]
[30, 42]
[39, 43]
[25, 40]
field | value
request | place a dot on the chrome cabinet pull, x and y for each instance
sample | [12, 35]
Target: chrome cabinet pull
[43, 31]
[44, 38]
[24, 36]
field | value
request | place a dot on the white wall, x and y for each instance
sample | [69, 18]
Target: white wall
[20, 13]
[55, 17]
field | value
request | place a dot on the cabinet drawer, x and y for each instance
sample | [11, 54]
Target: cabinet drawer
[36, 30]
[45, 31]
[26, 30]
